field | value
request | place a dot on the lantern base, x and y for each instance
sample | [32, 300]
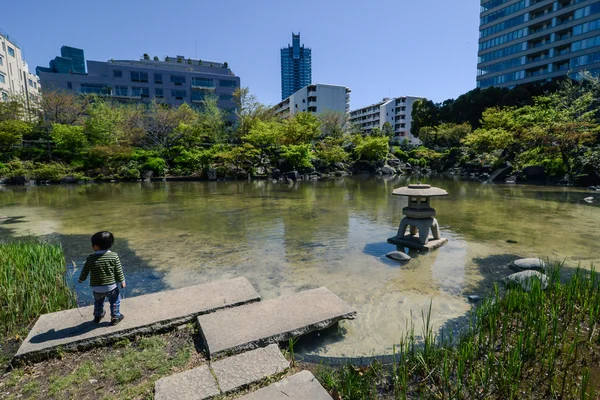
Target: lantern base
[413, 242]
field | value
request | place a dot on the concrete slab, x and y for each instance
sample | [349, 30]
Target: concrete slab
[413, 242]
[74, 329]
[195, 384]
[301, 386]
[271, 321]
[235, 372]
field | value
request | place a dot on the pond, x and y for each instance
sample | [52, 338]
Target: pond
[329, 233]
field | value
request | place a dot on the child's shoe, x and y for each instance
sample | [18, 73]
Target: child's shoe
[98, 319]
[115, 320]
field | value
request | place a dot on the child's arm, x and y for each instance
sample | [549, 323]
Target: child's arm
[84, 272]
[119, 275]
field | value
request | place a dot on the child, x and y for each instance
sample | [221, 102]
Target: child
[106, 274]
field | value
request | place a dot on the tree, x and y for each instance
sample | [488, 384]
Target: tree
[299, 156]
[444, 135]
[333, 124]
[302, 128]
[12, 108]
[372, 148]
[103, 124]
[63, 107]
[248, 111]
[162, 122]
[264, 136]
[69, 138]
[387, 130]
[239, 155]
[212, 118]
[12, 132]
[424, 113]
[330, 151]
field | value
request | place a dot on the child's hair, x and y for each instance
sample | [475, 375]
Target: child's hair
[103, 239]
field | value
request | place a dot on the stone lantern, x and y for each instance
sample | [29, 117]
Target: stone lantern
[419, 218]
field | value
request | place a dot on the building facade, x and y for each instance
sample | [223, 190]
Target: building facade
[522, 41]
[174, 81]
[315, 99]
[15, 78]
[397, 112]
[296, 67]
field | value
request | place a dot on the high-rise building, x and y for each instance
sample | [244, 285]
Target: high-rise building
[522, 41]
[315, 99]
[15, 78]
[397, 112]
[176, 80]
[296, 67]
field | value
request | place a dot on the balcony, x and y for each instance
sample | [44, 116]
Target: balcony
[203, 86]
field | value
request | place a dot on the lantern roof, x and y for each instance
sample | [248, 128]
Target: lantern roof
[419, 190]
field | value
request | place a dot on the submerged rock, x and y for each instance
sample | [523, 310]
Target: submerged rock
[525, 280]
[473, 298]
[387, 170]
[528, 264]
[589, 199]
[398, 256]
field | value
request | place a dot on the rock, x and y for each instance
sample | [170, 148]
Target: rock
[148, 174]
[501, 174]
[69, 180]
[19, 180]
[261, 171]
[394, 162]
[589, 199]
[4, 181]
[276, 174]
[293, 175]
[473, 298]
[387, 170]
[341, 173]
[484, 177]
[528, 264]
[398, 256]
[212, 174]
[314, 177]
[511, 241]
[340, 166]
[93, 381]
[526, 280]
[511, 179]
[535, 173]
[302, 385]
[486, 168]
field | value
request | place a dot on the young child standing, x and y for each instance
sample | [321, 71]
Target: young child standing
[106, 275]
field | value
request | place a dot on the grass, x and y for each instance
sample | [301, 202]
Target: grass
[32, 282]
[540, 344]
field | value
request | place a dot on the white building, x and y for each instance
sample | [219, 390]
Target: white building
[15, 78]
[315, 98]
[396, 111]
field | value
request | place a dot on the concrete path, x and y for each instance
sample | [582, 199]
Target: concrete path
[74, 328]
[301, 386]
[222, 377]
[271, 321]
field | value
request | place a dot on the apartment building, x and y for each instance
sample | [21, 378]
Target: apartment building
[522, 41]
[174, 80]
[296, 67]
[396, 111]
[315, 99]
[15, 78]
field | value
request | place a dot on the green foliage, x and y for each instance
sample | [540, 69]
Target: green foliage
[69, 138]
[387, 130]
[330, 151]
[444, 135]
[371, 148]
[102, 125]
[12, 132]
[32, 283]
[302, 128]
[298, 155]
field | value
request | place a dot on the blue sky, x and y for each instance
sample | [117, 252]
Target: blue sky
[378, 49]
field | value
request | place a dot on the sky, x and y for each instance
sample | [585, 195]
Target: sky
[384, 48]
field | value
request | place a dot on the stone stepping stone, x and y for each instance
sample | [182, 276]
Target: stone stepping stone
[255, 325]
[301, 386]
[526, 264]
[398, 256]
[525, 280]
[143, 314]
[223, 376]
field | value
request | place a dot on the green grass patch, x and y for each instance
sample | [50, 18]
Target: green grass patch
[32, 282]
[540, 345]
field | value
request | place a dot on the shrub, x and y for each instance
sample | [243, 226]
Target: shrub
[156, 165]
[372, 148]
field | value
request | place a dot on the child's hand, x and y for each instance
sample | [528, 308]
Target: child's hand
[123, 285]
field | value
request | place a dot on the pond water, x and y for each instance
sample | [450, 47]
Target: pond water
[331, 233]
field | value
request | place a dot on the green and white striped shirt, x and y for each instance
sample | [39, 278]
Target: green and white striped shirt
[104, 268]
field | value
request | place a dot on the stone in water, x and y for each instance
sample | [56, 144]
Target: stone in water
[526, 264]
[589, 199]
[525, 280]
[398, 256]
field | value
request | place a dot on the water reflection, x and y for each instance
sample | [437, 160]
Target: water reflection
[333, 233]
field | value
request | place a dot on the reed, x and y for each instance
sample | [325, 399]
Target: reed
[32, 282]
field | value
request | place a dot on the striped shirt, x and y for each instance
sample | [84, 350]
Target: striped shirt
[103, 268]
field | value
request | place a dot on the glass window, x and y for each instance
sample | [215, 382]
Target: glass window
[227, 83]
[1, 60]
[178, 94]
[145, 92]
[203, 82]
[198, 95]
[2, 78]
[30, 82]
[11, 51]
[69, 85]
[158, 79]
[158, 91]
[34, 85]
[136, 91]
[4, 95]
[178, 79]
[509, 23]
[93, 88]
[513, 8]
[117, 73]
[139, 77]
[121, 90]
[226, 97]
